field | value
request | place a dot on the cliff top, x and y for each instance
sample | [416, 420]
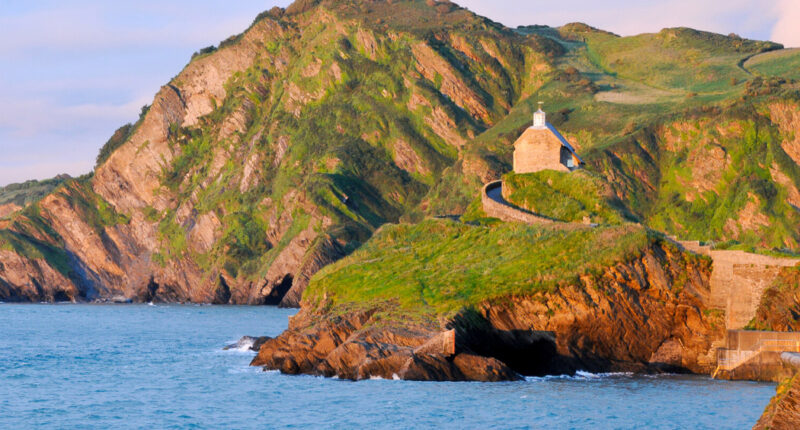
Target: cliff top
[441, 267]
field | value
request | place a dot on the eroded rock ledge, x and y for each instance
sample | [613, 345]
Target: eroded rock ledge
[646, 315]
[346, 347]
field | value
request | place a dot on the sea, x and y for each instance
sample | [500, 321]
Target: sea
[68, 366]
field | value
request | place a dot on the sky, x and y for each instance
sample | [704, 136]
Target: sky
[73, 72]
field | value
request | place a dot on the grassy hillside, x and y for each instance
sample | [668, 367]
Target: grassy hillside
[579, 196]
[784, 63]
[29, 192]
[433, 267]
[360, 124]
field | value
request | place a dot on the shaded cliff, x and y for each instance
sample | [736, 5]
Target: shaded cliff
[534, 306]
[779, 308]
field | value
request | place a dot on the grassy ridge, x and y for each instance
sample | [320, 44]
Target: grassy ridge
[32, 236]
[784, 63]
[439, 267]
[28, 192]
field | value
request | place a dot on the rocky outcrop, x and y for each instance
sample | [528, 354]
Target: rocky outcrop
[248, 343]
[33, 280]
[8, 209]
[347, 347]
[783, 411]
[646, 315]
[779, 307]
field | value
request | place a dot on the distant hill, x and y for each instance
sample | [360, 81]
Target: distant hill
[17, 196]
[286, 147]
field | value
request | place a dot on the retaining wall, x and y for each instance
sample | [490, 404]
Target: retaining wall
[738, 280]
[505, 211]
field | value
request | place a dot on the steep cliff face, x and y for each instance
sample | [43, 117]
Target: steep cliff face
[725, 176]
[644, 313]
[277, 153]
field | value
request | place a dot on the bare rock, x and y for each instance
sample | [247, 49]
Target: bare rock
[248, 343]
[783, 411]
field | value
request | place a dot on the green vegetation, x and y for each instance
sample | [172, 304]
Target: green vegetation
[720, 186]
[784, 63]
[33, 249]
[29, 192]
[119, 137]
[675, 58]
[77, 193]
[355, 149]
[566, 196]
[435, 267]
[358, 114]
[94, 210]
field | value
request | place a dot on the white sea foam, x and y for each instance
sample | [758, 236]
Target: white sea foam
[581, 376]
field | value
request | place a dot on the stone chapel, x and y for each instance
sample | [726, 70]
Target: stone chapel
[542, 147]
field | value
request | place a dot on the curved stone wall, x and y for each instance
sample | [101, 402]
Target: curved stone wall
[495, 206]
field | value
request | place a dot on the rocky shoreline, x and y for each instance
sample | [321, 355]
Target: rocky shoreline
[646, 316]
[783, 411]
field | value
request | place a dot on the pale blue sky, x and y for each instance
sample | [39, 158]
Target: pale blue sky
[71, 72]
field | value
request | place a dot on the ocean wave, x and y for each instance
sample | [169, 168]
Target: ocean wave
[245, 344]
[582, 376]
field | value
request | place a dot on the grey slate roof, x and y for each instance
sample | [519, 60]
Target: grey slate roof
[564, 141]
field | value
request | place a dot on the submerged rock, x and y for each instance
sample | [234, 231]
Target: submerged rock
[248, 343]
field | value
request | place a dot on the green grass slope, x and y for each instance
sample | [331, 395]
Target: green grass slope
[579, 196]
[784, 63]
[439, 267]
[360, 113]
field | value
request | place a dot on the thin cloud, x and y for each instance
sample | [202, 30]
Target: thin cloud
[78, 29]
[787, 29]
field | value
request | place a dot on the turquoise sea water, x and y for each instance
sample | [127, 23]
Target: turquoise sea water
[93, 366]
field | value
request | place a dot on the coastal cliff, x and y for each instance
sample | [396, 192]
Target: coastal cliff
[638, 308]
